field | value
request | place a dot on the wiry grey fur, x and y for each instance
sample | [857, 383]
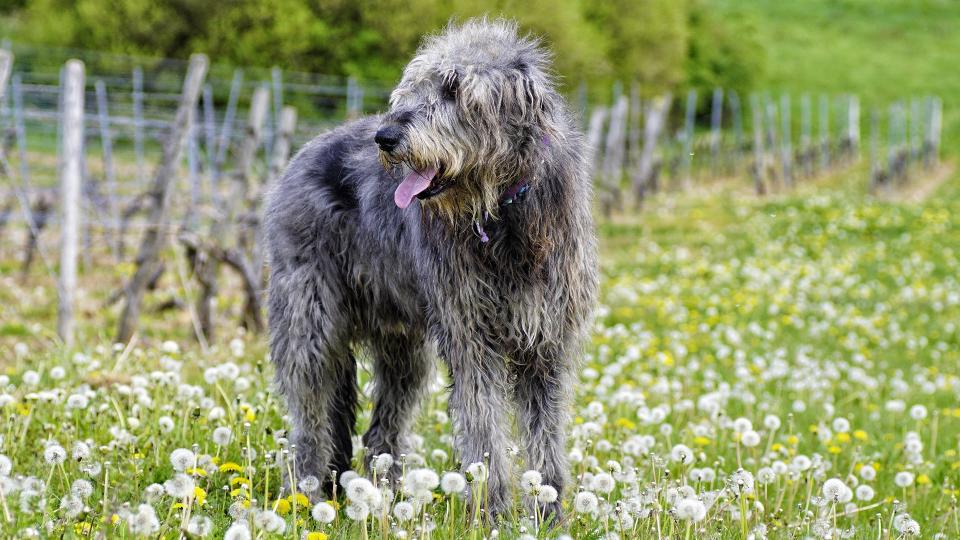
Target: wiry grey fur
[350, 268]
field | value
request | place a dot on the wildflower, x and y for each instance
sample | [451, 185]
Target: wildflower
[841, 425]
[477, 471]
[166, 424]
[690, 509]
[179, 487]
[452, 482]
[77, 401]
[586, 503]
[403, 511]
[836, 491]
[269, 521]
[309, 484]
[771, 422]
[81, 488]
[5, 465]
[864, 492]
[682, 454]
[238, 531]
[200, 526]
[742, 482]
[362, 491]
[603, 483]
[81, 451]
[144, 522]
[382, 462]
[918, 412]
[222, 436]
[71, 506]
[182, 459]
[750, 439]
[868, 473]
[323, 512]
[903, 479]
[357, 511]
[548, 494]
[31, 378]
[530, 481]
[54, 454]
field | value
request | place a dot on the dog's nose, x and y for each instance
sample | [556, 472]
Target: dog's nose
[387, 137]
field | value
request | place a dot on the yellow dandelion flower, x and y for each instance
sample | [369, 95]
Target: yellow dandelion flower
[793, 440]
[114, 519]
[82, 528]
[843, 438]
[860, 435]
[315, 535]
[578, 420]
[923, 479]
[834, 449]
[281, 506]
[776, 447]
[701, 441]
[196, 471]
[625, 423]
[239, 480]
[334, 504]
[300, 499]
[200, 494]
[230, 467]
[250, 416]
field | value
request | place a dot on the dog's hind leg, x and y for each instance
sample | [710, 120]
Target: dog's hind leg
[542, 382]
[315, 371]
[402, 367]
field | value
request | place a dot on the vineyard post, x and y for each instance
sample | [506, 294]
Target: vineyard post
[153, 238]
[106, 144]
[71, 171]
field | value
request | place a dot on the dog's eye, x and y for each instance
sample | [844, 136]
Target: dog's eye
[450, 88]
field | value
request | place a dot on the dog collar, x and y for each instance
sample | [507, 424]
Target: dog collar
[515, 193]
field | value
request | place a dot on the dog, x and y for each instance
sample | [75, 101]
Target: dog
[457, 225]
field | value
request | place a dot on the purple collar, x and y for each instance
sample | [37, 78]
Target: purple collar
[514, 193]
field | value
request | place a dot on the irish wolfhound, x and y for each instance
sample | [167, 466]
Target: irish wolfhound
[494, 264]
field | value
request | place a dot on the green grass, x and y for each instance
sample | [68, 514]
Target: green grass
[882, 50]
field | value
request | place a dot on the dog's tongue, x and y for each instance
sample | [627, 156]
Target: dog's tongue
[414, 183]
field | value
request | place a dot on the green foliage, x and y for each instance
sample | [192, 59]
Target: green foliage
[645, 41]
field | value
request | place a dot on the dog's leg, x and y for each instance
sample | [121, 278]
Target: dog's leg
[541, 390]
[315, 371]
[401, 370]
[479, 406]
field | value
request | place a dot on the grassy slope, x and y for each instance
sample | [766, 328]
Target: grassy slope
[882, 50]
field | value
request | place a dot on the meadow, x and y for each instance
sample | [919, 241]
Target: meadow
[782, 368]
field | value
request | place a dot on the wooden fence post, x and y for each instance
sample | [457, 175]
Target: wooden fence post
[595, 136]
[824, 132]
[236, 86]
[687, 158]
[153, 238]
[106, 143]
[759, 156]
[70, 177]
[786, 140]
[853, 125]
[138, 124]
[716, 123]
[874, 151]
[656, 120]
[613, 157]
[736, 115]
[935, 129]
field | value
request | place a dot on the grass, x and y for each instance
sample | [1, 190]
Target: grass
[780, 343]
[883, 50]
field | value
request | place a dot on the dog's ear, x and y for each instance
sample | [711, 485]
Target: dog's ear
[532, 90]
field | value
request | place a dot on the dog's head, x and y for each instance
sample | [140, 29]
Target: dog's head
[467, 118]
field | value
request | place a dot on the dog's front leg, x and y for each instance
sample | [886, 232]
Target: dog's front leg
[478, 404]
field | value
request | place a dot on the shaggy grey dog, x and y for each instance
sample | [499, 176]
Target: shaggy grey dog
[494, 264]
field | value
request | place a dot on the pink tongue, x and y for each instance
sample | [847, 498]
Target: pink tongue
[415, 182]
